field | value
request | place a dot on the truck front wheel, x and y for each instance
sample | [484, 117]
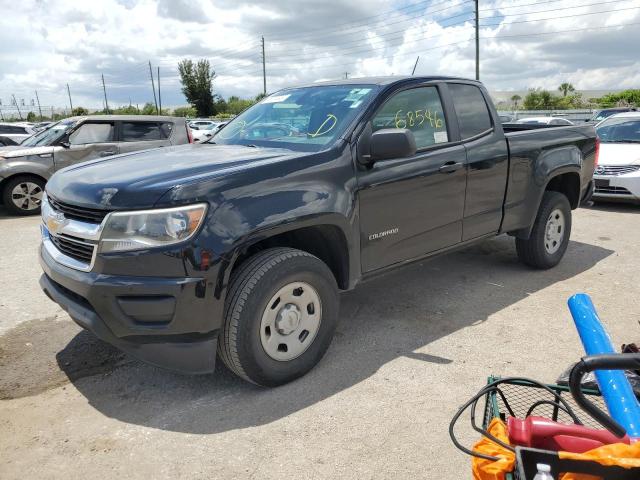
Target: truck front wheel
[280, 316]
[549, 237]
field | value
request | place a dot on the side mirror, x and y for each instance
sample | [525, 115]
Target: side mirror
[65, 144]
[391, 143]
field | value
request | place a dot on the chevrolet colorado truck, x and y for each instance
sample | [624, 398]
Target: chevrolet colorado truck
[240, 246]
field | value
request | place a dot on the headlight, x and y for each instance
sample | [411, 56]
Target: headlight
[150, 228]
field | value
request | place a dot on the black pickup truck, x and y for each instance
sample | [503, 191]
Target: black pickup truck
[241, 246]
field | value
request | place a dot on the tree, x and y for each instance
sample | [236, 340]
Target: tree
[566, 88]
[197, 85]
[515, 99]
[31, 117]
[79, 112]
[185, 112]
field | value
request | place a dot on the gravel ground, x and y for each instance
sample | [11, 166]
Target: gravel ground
[411, 346]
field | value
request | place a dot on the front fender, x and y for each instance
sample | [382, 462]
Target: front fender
[29, 165]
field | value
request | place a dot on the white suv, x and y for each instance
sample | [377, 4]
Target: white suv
[15, 132]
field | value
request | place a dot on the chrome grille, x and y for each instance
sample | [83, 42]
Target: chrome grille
[615, 170]
[612, 191]
[91, 215]
[76, 249]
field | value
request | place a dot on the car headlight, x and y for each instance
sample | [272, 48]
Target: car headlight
[125, 231]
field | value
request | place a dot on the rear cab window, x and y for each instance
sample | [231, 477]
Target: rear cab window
[471, 109]
[144, 131]
[417, 109]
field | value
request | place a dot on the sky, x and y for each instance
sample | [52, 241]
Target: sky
[45, 45]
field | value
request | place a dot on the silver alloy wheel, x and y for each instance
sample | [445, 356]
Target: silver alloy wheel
[27, 195]
[291, 321]
[554, 231]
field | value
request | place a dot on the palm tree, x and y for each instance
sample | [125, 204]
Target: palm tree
[515, 99]
[566, 88]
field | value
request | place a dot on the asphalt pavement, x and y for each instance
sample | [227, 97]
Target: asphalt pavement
[411, 347]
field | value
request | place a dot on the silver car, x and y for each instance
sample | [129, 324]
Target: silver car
[25, 168]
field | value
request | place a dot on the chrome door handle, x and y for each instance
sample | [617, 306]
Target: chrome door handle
[106, 154]
[450, 167]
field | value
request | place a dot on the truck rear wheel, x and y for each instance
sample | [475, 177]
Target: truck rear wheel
[549, 238]
[280, 316]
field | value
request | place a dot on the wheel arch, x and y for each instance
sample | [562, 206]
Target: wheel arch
[327, 241]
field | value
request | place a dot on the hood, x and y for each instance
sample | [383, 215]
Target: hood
[14, 151]
[619, 154]
[138, 180]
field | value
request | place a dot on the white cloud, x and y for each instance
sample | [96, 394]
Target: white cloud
[45, 45]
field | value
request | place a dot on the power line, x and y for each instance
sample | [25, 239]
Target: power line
[366, 21]
[400, 34]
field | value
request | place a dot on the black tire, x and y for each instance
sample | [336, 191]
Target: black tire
[533, 251]
[251, 288]
[7, 199]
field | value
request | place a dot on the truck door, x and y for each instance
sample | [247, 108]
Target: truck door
[412, 206]
[487, 159]
[91, 140]
[140, 135]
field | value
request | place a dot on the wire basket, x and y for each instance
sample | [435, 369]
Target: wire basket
[524, 399]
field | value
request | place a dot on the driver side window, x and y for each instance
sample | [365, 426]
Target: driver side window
[92, 133]
[419, 110]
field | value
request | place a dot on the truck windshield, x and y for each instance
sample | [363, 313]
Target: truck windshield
[306, 119]
[619, 130]
[50, 135]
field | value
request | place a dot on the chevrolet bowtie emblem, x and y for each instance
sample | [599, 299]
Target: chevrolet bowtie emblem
[55, 222]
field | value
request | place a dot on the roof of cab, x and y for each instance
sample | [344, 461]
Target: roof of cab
[140, 118]
[382, 81]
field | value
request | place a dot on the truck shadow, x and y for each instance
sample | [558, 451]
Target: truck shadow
[382, 320]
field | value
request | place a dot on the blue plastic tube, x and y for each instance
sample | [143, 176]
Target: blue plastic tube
[616, 390]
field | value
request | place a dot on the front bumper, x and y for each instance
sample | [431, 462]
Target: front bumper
[617, 187]
[168, 322]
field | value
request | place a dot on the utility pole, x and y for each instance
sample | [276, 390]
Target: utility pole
[159, 96]
[69, 92]
[52, 114]
[1, 116]
[104, 89]
[17, 106]
[477, 41]
[39, 109]
[346, 75]
[264, 70]
[153, 86]
[414, 67]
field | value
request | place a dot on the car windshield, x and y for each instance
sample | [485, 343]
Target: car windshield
[619, 130]
[306, 119]
[601, 115]
[49, 135]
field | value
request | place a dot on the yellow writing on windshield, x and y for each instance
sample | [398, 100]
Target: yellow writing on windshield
[330, 122]
[416, 118]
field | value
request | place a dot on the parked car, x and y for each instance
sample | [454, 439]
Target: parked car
[506, 118]
[543, 121]
[607, 112]
[206, 132]
[25, 168]
[243, 244]
[16, 132]
[197, 124]
[617, 176]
